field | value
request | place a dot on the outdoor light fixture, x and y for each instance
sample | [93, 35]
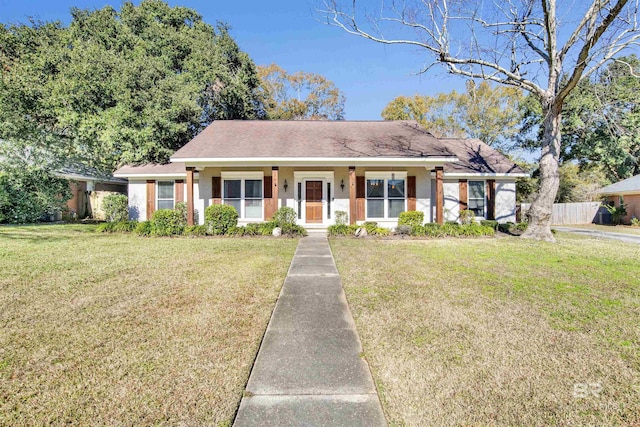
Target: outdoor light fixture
[342, 184]
[286, 185]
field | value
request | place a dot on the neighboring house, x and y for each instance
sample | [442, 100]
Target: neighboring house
[88, 187]
[625, 192]
[374, 170]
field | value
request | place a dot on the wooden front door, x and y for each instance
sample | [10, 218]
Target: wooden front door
[313, 196]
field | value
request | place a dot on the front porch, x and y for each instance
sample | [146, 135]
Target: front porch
[316, 194]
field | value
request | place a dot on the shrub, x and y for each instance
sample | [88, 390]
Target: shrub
[285, 215]
[167, 222]
[635, 222]
[144, 228]
[218, 219]
[474, 230]
[182, 208]
[238, 232]
[451, 229]
[489, 223]
[370, 226]
[411, 218]
[341, 218]
[521, 226]
[342, 230]
[617, 213]
[195, 230]
[27, 192]
[381, 231]
[124, 226]
[105, 227]
[467, 216]
[116, 207]
[293, 230]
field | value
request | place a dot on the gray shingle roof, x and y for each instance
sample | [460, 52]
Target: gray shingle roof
[627, 186]
[309, 139]
[255, 139]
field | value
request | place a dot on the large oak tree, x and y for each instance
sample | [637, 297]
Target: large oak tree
[541, 46]
[117, 87]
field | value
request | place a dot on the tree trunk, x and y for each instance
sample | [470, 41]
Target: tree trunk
[539, 214]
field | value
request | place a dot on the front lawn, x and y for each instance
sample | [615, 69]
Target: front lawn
[112, 329]
[498, 331]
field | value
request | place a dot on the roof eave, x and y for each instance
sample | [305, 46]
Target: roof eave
[316, 161]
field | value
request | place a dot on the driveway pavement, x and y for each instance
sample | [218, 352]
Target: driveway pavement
[309, 370]
[629, 238]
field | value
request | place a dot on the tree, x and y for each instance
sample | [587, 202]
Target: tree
[27, 192]
[491, 114]
[534, 45]
[601, 123]
[299, 95]
[118, 87]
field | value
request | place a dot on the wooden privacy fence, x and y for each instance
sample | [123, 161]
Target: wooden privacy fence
[574, 213]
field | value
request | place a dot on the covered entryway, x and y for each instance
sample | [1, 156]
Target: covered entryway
[313, 196]
[313, 193]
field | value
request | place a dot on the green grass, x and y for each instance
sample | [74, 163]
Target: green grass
[117, 329]
[498, 331]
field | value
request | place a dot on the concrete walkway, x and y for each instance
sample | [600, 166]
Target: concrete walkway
[309, 371]
[629, 238]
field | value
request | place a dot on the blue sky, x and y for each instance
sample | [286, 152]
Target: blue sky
[290, 34]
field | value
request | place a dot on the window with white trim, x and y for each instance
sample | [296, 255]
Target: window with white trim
[165, 195]
[476, 199]
[386, 196]
[245, 195]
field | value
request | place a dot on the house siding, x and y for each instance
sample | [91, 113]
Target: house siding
[451, 200]
[505, 201]
[425, 189]
[138, 200]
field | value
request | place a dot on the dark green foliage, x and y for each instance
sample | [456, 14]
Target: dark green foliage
[144, 228]
[195, 231]
[260, 229]
[489, 223]
[285, 215]
[453, 230]
[238, 232]
[220, 218]
[167, 222]
[116, 207]
[293, 230]
[411, 218]
[27, 193]
[600, 121]
[120, 86]
[617, 213]
[511, 228]
[125, 226]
